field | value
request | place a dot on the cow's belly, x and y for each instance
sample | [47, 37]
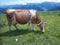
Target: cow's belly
[22, 21]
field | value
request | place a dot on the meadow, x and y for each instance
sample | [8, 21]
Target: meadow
[32, 37]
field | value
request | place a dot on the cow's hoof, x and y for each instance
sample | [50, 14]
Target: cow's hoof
[43, 31]
[17, 29]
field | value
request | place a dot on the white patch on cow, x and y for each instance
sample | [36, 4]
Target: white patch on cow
[33, 12]
[12, 9]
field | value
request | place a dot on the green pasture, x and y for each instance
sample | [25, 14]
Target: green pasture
[32, 37]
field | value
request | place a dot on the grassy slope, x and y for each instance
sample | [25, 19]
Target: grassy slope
[30, 37]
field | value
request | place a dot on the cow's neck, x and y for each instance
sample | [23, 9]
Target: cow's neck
[38, 20]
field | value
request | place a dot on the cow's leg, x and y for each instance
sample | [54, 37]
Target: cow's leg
[42, 27]
[28, 25]
[32, 26]
[16, 27]
[9, 23]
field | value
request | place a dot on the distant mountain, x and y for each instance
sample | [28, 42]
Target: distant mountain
[50, 6]
[46, 6]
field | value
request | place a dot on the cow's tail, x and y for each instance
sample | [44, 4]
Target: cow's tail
[14, 19]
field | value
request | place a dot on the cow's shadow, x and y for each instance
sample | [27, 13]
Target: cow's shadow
[19, 32]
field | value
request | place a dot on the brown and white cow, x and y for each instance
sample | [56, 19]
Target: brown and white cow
[23, 17]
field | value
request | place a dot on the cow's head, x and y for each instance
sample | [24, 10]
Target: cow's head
[41, 26]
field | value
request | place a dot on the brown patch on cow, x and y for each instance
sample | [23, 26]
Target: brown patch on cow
[22, 17]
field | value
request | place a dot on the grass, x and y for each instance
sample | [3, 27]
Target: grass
[32, 37]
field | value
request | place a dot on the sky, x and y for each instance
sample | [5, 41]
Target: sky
[24, 2]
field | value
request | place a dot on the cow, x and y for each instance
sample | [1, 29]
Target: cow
[24, 17]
